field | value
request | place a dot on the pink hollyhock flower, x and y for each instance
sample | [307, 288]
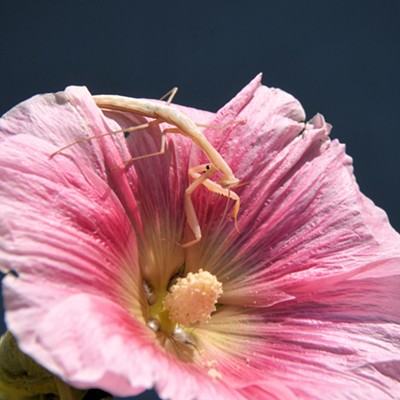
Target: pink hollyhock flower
[305, 298]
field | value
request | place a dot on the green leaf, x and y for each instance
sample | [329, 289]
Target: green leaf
[21, 378]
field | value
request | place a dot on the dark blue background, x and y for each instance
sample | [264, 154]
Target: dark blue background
[339, 58]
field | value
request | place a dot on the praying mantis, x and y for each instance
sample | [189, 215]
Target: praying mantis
[182, 124]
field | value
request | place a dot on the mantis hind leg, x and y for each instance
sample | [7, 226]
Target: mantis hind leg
[163, 141]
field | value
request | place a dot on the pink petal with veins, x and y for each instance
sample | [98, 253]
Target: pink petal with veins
[311, 282]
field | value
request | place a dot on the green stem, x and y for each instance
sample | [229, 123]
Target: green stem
[64, 391]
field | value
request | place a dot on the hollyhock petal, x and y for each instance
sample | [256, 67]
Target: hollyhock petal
[313, 214]
[36, 313]
[67, 253]
[29, 185]
[338, 344]
[43, 114]
[343, 342]
[310, 281]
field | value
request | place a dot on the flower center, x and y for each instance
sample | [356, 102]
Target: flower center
[192, 299]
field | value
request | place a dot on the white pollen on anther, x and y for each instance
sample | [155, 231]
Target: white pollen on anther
[192, 299]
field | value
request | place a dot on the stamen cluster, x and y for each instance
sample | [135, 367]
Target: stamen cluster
[192, 299]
